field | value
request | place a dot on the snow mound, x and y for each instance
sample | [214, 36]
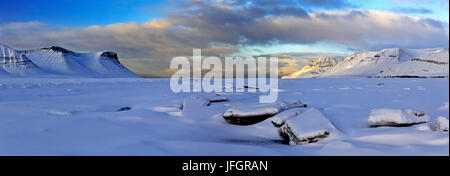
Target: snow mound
[423, 127]
[308, 127]
[441, 124]
[199, 101]
[15, 63]
[396, 117]
[251, 114]
[194, 102]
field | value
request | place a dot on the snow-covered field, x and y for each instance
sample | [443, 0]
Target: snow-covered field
[136, 116]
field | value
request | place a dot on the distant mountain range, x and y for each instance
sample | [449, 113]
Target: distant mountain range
[395, 62]
[56, 61]
[388, 63]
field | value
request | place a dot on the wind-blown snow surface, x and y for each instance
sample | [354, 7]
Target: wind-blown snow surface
[394, 62]
[143, 117]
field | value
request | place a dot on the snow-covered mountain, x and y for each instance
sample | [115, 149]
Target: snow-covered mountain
[54, 61]
[314, 68]
[13, 62]
[395, 62]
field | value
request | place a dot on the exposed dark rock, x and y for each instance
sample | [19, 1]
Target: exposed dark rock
[307, 127]
[249, 115]
[59, 49]
[429, 61]
[277, 124]
[250, 87]
[441, 124]
[393, 124]
[396, 118]
[124, 109]
[248, 120]
[289, 136]
[110, 54]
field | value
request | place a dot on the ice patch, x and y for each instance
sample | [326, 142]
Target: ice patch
[346, 106]
[58, 113]
[172, 111]
[165, 109]
[400, 139]
[175, 113]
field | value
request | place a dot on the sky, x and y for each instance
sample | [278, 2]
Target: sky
[147, 34]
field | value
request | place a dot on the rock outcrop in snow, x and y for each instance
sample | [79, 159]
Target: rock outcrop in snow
[252, 114]
[308, 127]
[55, 61]
[395, 62]
[396, 117]
[441, 124]
[280, 119]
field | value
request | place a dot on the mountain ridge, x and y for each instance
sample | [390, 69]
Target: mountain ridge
[387, 63]
[58, 61]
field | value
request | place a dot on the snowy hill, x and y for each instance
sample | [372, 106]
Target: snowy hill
[430, 63]
[314, 68]
[395, 62]
[62, 61]
[56, 61]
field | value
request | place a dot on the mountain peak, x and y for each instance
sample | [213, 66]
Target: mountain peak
[58, 49]
[314, 68]
[109, 54]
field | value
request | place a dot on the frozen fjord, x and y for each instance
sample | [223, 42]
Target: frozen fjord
[118, 116]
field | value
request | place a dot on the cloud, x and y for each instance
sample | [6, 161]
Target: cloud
[413, 10]
[360, 28]
[327, 3]
[220, 28]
